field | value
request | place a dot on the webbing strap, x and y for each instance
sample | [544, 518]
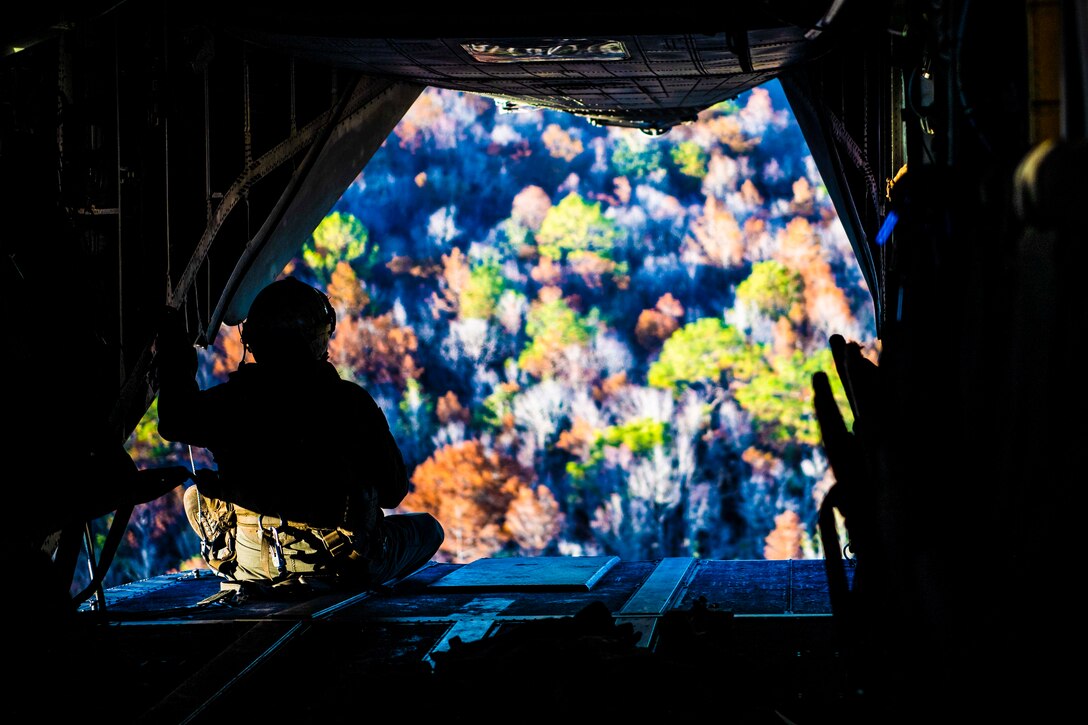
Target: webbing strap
[335, 540]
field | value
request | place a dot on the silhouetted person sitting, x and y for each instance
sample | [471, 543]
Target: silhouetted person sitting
[306, 461]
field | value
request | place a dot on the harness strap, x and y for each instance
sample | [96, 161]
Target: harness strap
[338, 541]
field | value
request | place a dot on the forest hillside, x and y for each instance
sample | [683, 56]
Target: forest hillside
[586, 340]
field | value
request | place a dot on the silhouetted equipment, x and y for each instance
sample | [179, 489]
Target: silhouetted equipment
[175, 153]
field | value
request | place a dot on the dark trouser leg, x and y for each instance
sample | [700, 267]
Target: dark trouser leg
[412, 540]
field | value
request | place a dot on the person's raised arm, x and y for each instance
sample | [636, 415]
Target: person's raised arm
[175, 367]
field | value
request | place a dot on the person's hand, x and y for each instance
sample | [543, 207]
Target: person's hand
[847, 450]
[170, 334]
[174, 351]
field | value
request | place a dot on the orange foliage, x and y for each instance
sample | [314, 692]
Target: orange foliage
[578, 439]
[449, 408]
[785, 541]
[228, 350]
[402, 264]
[547, 272]
[552, 293]
[750, 194]
[533, 519]
[416, 125]
[756, 235]
[455, 277]
[560, 144]
[653, 328]
[804, 200]
[764, 465]
[656, 325]
[591, 267]
[376, 347]
[669, 305]
[727, 130]
[610, 386]
[800, 249]
[785, 337]
[345, 292]
[469, 489]
[622, 195]
[455, 270]
[717, 235]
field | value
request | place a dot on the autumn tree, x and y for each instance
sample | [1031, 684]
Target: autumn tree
[497, 409]
[698, 354]
[560, 143]
[225, 354]
[551, 327]
[784, 542]
[779, 397]
[656, 325]
[418, 123]
[635, 155]
[449, 409]
[339, 236]
[724, 125]
[533, 520]
[690, 159]
[482, 290]
[638, 473]
[716, 237]
[517, 233]
[530, 207]
[804, 198]
[346, 292]
[575, 226]
[579, 439]
[470, 489]
[454, 279]
[548, 273]
[375, 348]
[769, 301]
[638, 437]
[825, 302]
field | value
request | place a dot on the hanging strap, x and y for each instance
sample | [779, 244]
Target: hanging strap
[109, 549]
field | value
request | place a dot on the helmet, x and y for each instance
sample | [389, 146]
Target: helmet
[289, 319]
